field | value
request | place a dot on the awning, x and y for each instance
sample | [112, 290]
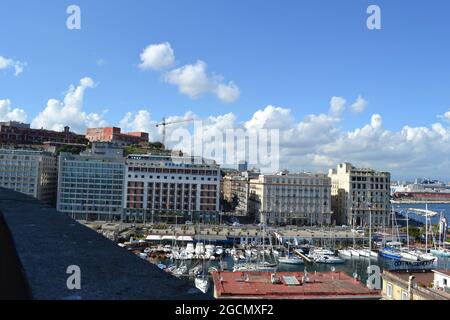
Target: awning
[184, 238]
[153, 237]
[169, 238]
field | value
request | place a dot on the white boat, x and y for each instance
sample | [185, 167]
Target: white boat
[219, 251]
[345, 253]
[291, 260]
[202, 283]
[255, 267]
[321, 251]
[199, 249]
[328, 259]
[354, 252]
[190, 248]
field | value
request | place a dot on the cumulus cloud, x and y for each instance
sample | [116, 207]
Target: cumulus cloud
[317, 142]
[192, 80]
[157, 56]
[359, 105]
[7, 113]
[69, 112]
[337, 105]
[18, 66]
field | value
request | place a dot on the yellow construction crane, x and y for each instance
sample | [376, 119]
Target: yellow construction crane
[164, 124]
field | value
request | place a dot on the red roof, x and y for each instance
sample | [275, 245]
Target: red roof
[328, 285]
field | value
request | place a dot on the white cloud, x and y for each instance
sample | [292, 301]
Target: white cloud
[157, 56]
[227, 92]
[359, 105]
[69, 112]
[18, 66]
[337, 105]
[9, 114]
[191, 79]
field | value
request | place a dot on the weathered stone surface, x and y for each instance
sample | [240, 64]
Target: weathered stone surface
[47, 242]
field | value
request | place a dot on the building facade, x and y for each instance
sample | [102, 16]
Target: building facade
[113, 134]
[90, 186]
[30, 172]
[358, 193]
[300, 199]
[21, 134]
[171, 189]
[417, 285]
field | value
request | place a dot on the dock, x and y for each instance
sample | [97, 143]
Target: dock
[290, 285]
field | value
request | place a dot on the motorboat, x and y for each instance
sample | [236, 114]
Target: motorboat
[345, 253]
[290, 260]
[390, 253]
[219, 251]
[255, 267]
[199, 249]
[202, 283]
[328, 259]
[190, 248]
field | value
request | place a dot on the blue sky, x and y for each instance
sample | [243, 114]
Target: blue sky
[290, 54]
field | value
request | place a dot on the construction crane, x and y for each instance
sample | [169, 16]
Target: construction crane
[164, 124]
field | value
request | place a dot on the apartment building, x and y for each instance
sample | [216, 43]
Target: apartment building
[91, 186]
[423, 284]
[30, 172]
[358, 193]
[299, 199]
[113, 134]
[171, 189]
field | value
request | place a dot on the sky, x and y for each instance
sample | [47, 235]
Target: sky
[335, 90]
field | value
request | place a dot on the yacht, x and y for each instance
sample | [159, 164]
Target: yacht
[345, 253]
[190, 248]
[202, 283]
[440, 252]
[290, 260]
[256, 267]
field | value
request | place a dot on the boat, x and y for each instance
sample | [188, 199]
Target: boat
[291, 260]
[328, 259]
[199, 249]
[390, 253]
[345, 253]
[190, 248]
[440, 252]
[202, 283]
[255, 267]
[219, 250]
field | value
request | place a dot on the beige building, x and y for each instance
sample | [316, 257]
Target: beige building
[417, 285]
[30, 172]
[358, 193]
[301, 199]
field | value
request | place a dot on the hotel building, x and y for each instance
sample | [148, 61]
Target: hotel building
[358, 193]
[171, 189]
[300, 199]
[90, 186]
[29, 172]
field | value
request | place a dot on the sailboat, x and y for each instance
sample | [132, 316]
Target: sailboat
[440, 250]
[258, 266]
[201, 281]
[290, 259]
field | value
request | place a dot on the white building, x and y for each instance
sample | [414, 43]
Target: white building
[358, 193]
[29, 172]
[165, 188]
[302, 199]
[90, 187]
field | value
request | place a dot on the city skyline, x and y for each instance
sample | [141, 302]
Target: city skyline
[377, 98]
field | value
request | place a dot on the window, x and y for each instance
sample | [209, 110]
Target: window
[405, 295]
[389, 290]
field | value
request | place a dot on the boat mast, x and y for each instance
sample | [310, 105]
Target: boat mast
[426, 227]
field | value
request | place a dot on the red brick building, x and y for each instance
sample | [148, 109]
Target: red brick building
[20, 133]
[113, 134]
